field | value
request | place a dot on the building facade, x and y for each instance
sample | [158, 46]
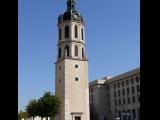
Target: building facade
[118, 96]
[72, 66]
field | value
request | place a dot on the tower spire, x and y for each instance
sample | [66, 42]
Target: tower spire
[71, 5]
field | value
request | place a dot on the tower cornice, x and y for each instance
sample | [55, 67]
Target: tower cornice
[70, 21]
[78, 59]
[69, 41]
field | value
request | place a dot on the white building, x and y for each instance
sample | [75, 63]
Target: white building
[117, 97]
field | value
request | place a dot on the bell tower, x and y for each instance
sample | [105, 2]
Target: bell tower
[71, 80]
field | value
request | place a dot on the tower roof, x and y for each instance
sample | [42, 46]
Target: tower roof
[71, 13]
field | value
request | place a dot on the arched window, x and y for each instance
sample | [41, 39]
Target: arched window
[76, 50]
[66, 50]
[82, 33]
[59, 53]
[76, 31]
[67, 32]
[82, 53]
[60, 33]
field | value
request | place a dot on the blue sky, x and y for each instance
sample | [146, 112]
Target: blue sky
[112, 41]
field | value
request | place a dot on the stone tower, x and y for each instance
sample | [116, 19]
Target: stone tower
[72, 66]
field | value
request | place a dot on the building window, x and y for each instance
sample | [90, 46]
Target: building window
[138, 113]
[77, 118]
[127, 83]
[59, 53]
[123, 92]
[118, 84]
[108, 88]
[132, 89]
[119, 114]
[138, 88]
[138, 97]
[119, 101]
[76, 66]
[122, 83]
[91, 97]
[128, 91]
[82, 53]
[60, 33]
[108, 96]
[59, 80]
[119, 93]
[66, 50]
[133, 114]
[114, 93]
[76, 50]
[129, 100]
[115, 102]
[109, 104]
[137, 79]
[114, 86]
[82, 33]
[66, 32]
[76, 79]
[91, 90]
[124, 101]
[132, 80]
[115, 110]
[59, 67]
[76, 31]
[129, 115]
[133, 99]
[124, 115]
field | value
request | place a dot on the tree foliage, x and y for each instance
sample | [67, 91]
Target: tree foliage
[22, 114]
[49, 105]
[46, 106]
[32, 108]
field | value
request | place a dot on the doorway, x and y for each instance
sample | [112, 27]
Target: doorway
[77, 118]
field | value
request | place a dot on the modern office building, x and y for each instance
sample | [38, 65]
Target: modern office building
[116, 97]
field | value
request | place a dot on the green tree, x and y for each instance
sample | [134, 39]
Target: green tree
[32, 108]
[49, 105]
[22, 114]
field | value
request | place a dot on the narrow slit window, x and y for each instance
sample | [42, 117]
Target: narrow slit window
[60, 34]
[67, 51]
[67, 32]
[76, 50]
[82, 33]
[76, 32]
[59, 53]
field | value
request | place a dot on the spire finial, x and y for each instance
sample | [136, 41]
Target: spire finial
[71, 5]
